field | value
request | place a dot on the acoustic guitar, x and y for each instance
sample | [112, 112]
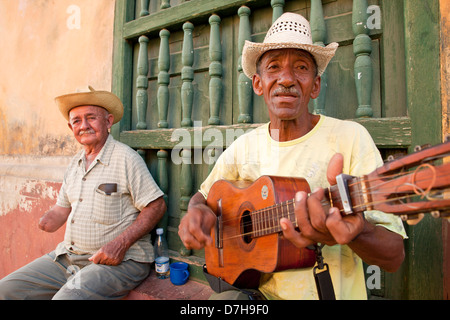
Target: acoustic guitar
[247, 236]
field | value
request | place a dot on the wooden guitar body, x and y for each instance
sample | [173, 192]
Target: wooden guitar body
[244, 244]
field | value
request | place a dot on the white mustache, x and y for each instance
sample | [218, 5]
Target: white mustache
[86, 131]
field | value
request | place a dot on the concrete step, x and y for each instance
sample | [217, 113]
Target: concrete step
[162, 289]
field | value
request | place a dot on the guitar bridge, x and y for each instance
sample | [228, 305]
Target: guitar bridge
[219, 233]
[218, 228]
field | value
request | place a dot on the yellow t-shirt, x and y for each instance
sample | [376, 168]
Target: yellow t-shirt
[255, 154]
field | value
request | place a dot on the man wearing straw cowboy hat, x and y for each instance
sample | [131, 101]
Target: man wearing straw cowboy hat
[109, 202]
[285, 70]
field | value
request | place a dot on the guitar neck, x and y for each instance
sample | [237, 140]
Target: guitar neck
[267, 220]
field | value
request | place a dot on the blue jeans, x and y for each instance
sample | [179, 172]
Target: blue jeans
[72, 277]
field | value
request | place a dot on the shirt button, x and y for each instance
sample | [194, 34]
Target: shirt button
[81, 200]
[73, 221]
[72, 243]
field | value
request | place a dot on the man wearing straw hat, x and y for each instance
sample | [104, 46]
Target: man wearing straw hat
[109, 202]
[285, 70]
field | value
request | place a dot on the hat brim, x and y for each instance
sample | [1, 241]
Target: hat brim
[104, 99]
[254, 50]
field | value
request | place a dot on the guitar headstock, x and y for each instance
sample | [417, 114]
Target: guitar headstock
[411, 185]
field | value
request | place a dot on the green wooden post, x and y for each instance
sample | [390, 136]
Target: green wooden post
[122, 73]
[185, 189]
[319, 35]
[215, 70]
[142, 83]
[277, 9]
[362, 48]
[424, 247]
[144, 8]
[163, 181]
[245, 89]
[163, 78]
[187, 75]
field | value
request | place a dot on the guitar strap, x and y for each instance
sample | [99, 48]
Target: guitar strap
[324, 284]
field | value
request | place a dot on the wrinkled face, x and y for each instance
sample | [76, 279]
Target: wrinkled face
[287, 78]
[90, 124]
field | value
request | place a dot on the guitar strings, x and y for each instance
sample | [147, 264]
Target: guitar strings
[271, 219]
[275, 228]
[402, 197]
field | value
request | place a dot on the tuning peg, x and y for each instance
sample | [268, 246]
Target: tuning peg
[440, 214]
[424, 146]
[395, 156]
[412, 219]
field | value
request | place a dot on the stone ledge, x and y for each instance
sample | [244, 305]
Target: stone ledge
[162, 289]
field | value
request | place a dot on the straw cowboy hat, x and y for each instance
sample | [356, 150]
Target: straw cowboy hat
[290, 30]
[104, 99]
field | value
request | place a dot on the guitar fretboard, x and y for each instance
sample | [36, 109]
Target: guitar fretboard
[267, 221]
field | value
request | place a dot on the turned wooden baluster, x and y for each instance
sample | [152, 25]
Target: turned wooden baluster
[163, 181]
[362, 48]
[186, 186]
[277, 9]
[187, 75]
[142, 84]
[144, 8]
[163, 78]
[215, 70]
[319, 35]
[165, 4]
[245, 89]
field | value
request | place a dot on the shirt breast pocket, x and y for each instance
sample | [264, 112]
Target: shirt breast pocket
[107, 207]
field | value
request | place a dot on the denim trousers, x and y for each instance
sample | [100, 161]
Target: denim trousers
[72, 277]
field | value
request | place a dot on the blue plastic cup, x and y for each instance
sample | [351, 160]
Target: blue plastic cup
[179, 273]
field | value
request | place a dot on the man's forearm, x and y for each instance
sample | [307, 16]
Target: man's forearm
[54, 218]
[147, 219]
[377, 245]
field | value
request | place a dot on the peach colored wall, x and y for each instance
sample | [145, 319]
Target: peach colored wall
[49, 48]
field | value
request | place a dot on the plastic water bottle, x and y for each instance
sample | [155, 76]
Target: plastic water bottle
[161, 255]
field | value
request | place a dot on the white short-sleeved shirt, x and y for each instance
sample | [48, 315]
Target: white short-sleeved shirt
[97, 217]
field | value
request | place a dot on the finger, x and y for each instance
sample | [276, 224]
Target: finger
[317, 214]
[343, 229]
[302, 215]
[95, 258]
[335, 167]
[289, 233]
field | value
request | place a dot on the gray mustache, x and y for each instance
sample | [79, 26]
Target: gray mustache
[284, 90]
[86, 131]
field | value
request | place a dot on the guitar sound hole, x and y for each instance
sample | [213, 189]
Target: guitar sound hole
[246, 227]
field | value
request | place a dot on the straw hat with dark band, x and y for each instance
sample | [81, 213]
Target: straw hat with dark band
[290, 30]
[104, 99]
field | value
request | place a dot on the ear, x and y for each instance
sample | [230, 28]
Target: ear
[257, 86]
[70, 126]
[316, 87]
[109, 120]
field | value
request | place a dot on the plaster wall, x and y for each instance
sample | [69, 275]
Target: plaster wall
[49, 48]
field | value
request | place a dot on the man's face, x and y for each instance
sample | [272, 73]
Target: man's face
[90, 124]
[287, 80]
